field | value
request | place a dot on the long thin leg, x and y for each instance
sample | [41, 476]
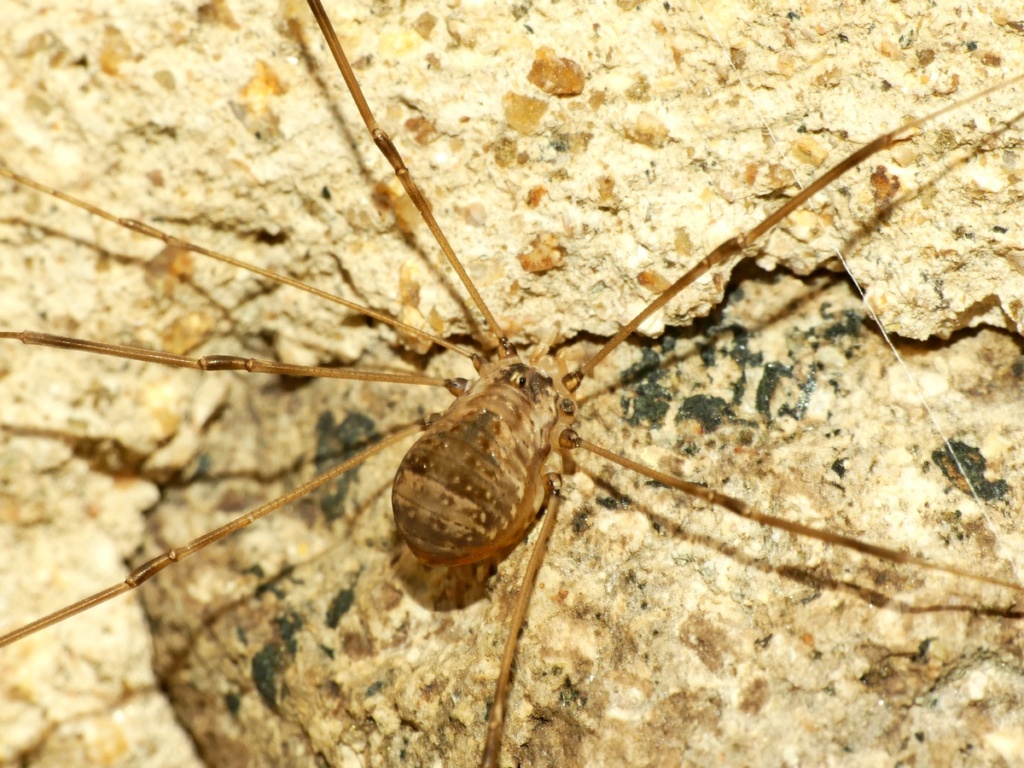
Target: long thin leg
[736, 245]
[390, 152]
[215, 362]
[496, 718]
[151, 567]
[570, 439]
[158, 234]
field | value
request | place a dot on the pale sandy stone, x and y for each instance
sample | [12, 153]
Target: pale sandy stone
[717, 640]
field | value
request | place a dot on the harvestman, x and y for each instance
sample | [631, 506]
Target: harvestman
[570, 440]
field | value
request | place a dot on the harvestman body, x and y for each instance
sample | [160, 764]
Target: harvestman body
[514, 396]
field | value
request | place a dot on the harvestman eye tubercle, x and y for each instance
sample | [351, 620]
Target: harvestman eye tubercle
[583, 682]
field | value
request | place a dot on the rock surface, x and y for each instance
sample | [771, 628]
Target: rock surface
[688, 636]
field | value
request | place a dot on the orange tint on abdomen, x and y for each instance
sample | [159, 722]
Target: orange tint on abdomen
[470, 486]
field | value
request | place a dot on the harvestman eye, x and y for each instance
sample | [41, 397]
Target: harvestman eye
[572, 441]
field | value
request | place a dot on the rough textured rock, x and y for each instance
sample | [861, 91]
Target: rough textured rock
[661, 631]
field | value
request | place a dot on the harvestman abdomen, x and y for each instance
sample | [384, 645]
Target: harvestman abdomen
[648, 222]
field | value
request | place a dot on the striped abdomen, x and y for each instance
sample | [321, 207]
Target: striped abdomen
[471, 485]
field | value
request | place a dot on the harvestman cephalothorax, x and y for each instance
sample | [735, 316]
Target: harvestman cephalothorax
[618, 693]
